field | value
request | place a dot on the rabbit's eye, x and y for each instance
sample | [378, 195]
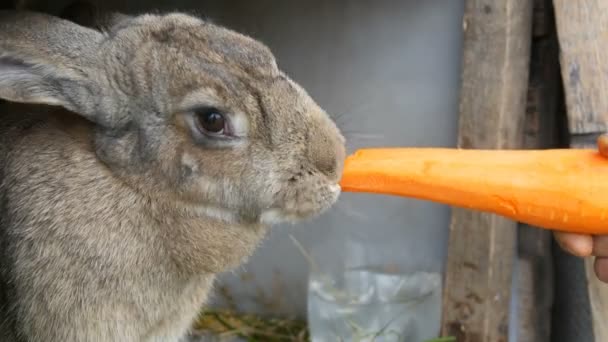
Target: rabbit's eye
[210, 120]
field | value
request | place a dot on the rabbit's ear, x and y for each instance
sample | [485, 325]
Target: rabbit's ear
[47, 60]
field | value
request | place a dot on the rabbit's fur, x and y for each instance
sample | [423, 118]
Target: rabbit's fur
[116, 213]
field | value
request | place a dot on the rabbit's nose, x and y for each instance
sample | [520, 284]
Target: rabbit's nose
[327, 155]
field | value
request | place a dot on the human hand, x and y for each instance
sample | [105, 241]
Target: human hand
[588, 245]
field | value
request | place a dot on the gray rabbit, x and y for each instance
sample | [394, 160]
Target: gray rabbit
[137, 162]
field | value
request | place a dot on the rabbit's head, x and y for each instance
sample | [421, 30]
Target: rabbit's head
[182, 109]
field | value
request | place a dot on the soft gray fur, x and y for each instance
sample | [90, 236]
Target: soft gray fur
[115, 212]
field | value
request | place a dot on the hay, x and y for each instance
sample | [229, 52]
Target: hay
[226, 325]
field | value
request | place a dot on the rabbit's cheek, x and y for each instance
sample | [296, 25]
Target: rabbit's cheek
[277, 216]
[189, 166]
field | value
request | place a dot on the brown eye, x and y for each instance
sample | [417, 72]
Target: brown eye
[210, 120]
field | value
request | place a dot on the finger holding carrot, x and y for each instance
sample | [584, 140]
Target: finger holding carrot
[584, 245]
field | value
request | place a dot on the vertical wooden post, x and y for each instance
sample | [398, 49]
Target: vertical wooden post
[535, 267]
[582, 27]
[482, 247]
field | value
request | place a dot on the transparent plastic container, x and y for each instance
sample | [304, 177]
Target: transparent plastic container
[357, 292]
[370, 305]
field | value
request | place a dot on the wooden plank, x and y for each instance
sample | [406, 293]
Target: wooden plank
[582, 27]
[482, 246]
[598, 298]
[535, 267]
[534, 286]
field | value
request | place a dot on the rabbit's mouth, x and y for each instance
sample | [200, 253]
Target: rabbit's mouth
[297, 209]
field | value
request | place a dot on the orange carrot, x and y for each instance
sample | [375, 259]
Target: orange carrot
[560, 189]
